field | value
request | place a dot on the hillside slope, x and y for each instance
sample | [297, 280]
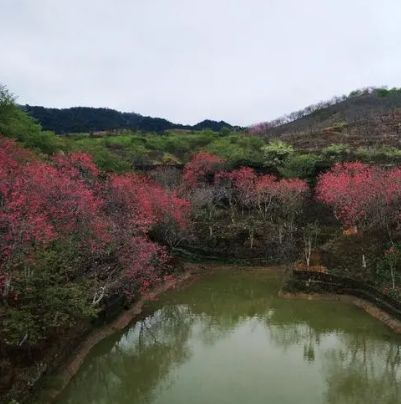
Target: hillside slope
[369, 117]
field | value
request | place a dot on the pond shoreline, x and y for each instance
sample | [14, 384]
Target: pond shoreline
[64, 364]
[69, 369]
[370, 308]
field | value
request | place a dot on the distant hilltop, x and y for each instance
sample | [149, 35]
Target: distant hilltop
[86, 119]
[366, 117]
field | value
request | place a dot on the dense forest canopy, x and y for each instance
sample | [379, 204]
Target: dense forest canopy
[86, 119]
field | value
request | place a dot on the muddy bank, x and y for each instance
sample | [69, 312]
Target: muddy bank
[370, 308]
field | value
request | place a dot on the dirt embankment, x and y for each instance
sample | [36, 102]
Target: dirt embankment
[26, 388]
[69, 368]
[59, 365]
[72, 366]
[191, 271]
[370, 308]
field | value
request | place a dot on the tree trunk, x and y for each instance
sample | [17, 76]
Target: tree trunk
[393, 275]
[308, 251]
[280, 234]
[251, 237]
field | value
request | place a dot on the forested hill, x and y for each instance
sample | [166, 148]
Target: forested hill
[86, 119]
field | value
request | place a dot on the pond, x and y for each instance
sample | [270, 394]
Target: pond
[229, 339]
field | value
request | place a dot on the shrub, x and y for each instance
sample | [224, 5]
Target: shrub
[301, 166]
[337, 152]
[276, 152]
[339, 126]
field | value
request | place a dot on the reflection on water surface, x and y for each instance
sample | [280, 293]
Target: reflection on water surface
[228, 339]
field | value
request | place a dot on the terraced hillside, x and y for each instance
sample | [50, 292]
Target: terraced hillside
[370, 118]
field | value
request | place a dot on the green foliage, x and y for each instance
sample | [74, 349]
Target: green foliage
[343, 152]
[382, 92]
[276, 152]
[336, 151]
[339, 126]
[300, 166]
[200, 139]
[48, 298]
[225, 131]
[16, 124]
[45, 142]
[366, 153]
[390, 152]
[381, 273]
[385, 92]
[317, 112]
[86, 119]
[237, 149]
[6, 97]
[226, 148]
[355, 93]
[378, 154]
[119, 152]
[109, 161]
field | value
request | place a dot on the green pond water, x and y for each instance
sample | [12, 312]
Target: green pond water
[228, 339]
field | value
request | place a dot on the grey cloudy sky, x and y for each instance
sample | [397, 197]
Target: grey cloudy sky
[242, 61]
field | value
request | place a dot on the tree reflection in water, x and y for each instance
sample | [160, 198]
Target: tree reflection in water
[362, 371]
[113, 375]
[358, 359]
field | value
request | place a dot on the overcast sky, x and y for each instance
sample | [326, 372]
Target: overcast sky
[242, 61]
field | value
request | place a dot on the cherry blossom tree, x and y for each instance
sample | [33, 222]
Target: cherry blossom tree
[362, 195]
[66, 206]
[201, 166]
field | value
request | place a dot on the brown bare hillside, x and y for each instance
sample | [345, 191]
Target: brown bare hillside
[369, 117]
[375, 131]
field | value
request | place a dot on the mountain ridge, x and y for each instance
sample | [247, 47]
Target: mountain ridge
[90, 119]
